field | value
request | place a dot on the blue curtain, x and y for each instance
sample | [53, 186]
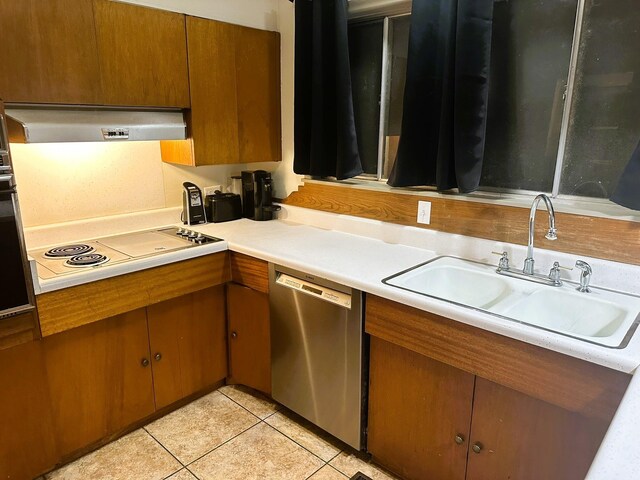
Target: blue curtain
[446, 95]
[325, 143]
[627, 193]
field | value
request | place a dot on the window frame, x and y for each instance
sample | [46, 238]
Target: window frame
[503, 193]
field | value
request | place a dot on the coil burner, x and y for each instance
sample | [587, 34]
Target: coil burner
[68, 251]
[87, 260]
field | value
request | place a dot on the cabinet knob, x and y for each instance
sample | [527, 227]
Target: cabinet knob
[234, 335]
[158, 356]
[144, 362]
[459, 439]
[477, 447]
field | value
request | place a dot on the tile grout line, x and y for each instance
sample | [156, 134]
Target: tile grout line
[300, 445]
[321, 467]
[334, 457]
[336, 468]
[340, 472]
[263, 420]
[239, 404]
[260, 420]
[218, 446]
[167, 450]
[194, 475]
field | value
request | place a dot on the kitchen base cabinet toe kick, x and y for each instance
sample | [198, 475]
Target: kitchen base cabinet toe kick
[451, 402]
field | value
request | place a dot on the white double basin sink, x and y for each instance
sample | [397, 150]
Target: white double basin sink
[601, 316]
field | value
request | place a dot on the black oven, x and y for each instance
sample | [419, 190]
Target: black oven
[16, 287]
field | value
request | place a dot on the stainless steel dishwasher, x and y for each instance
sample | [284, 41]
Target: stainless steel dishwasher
[317, 352]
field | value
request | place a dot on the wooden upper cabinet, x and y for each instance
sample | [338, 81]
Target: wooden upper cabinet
[143, 55]
[234, 75]
[48, 52]
[258, 95]
[212, 73]
[93, 52]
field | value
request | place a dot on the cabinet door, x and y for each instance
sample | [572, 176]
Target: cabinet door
[527, 439]
[249, 338]
[27, 445]
[188, 344]
[142, 54]
[48, 52]
[98, 380]
[417, 407]
[258, 93]
[212, 76]
[234, 80]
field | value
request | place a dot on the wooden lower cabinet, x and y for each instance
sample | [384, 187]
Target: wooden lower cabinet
[429, 420]
[98, 379]
[249, 337]
[417, 406]
[187, 336]
[27, 440]
[524, 438]
[106, 376]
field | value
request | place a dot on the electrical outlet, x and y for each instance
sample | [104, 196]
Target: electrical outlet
[211, 190]
[424, 212]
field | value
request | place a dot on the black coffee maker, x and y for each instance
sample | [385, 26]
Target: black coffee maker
[257, 199]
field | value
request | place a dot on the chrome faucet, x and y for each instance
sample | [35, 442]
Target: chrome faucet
[551, 234]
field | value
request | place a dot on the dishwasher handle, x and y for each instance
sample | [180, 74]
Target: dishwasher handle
[318, 291]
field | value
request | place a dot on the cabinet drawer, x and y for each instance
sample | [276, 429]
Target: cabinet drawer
[250, 272]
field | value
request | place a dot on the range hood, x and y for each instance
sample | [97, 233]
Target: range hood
[44, 124]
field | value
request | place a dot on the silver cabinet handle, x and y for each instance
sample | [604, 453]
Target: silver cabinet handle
[459, 439]
[477, 447]
[157, 356]
[144, 362]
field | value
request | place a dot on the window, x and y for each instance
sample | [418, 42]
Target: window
[378, 55]
[604, 126]
[551, 128]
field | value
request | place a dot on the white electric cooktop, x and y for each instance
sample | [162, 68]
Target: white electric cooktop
[103, 252]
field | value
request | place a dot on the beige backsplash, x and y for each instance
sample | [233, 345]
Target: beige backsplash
[61, 182]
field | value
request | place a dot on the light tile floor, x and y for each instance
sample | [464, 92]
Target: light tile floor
[232, 433]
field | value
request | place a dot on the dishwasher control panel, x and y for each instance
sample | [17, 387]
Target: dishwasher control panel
[325, 293]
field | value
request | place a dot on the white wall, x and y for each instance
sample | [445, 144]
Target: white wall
[64, 182]
[285, 181]
[250, 13]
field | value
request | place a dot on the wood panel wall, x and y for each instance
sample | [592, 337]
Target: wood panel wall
[596, 237]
